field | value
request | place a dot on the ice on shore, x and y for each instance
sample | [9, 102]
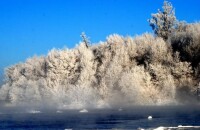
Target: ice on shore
[59, 111]
[179, 127]
[150, 117]
[83, 111]
[34, 111]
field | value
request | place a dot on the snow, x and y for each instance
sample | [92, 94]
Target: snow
[34, 111]
[83, 111]
[150, 117]
[178, 127]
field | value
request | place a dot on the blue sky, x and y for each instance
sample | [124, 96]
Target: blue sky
[33, 27]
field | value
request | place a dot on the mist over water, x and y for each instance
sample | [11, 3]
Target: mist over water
[120, 72]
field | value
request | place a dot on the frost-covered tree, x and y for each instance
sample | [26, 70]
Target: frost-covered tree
[164, 22]
[85, 39]
[141, 70]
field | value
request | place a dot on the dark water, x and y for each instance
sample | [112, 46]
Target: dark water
[100, 119]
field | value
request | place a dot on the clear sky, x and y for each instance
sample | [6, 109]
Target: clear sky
[33, 27]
